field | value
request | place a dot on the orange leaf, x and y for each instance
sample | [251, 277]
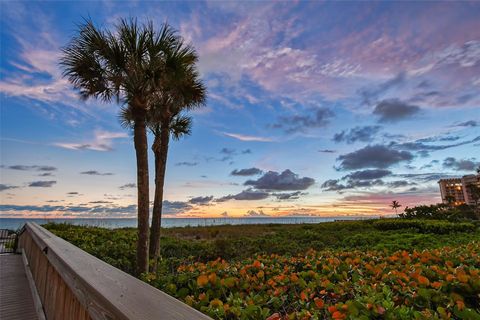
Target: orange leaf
[293, 277]
[319, 303]
[275, 316]
[462, 277]
[202, 280]
[423, 280]
[325, 283]
[215, 303]
[303, 296]
[212, 278]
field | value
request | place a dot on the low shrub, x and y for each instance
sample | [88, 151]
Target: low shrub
[425, 226]
[440, 212]
[178, 245]
[431, 284]
[358, 270]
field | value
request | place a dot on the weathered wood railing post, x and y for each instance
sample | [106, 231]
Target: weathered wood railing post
[73, 284]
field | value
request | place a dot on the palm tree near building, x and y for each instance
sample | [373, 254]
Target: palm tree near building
[395, 205]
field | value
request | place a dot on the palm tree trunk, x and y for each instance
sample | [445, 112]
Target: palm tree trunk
[141, 150]
[160, 150]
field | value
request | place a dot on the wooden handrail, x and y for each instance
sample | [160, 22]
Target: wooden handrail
[73, 284]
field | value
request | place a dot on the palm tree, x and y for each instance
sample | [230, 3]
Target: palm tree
[125, 66]
[395, 205]
[182, 90]
[178, 127]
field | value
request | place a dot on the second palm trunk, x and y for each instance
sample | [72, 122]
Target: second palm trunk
[160, 151]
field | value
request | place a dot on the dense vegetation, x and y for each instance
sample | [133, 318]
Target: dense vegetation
[424, 226]
[229, 242]
[442, 212]
[430, 284]
[392, 268]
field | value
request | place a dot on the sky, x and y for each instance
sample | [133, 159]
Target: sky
[313, 109]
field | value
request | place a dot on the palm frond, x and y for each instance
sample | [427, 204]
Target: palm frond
[126, 117]
[139, 67]
[84, 65]
[180, 126]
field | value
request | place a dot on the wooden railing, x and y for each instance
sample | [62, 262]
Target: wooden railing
[73, 284]
[8, 241]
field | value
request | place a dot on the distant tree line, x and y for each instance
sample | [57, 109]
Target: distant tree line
[441, 212]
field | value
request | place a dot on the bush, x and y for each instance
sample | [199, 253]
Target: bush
[178, 245]
[377, 269]
[365, 284]
[425, 226]
[440, 212]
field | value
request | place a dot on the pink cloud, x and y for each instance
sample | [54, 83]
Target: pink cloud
[260, 44]
[244, 137]
[39, 53]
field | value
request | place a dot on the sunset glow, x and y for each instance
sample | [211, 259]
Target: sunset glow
[313, 109]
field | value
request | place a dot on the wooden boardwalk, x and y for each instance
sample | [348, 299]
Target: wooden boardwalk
[16, 302]
[70, 284]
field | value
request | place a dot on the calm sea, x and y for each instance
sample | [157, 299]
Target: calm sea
[15, 223]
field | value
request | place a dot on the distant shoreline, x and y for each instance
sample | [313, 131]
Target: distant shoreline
[112, 223]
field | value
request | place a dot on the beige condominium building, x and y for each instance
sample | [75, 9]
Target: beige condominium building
[455, 190]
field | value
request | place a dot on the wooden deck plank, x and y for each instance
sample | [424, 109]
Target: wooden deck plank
[16, 302]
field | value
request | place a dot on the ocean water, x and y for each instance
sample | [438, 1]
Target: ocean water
[16, 223]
